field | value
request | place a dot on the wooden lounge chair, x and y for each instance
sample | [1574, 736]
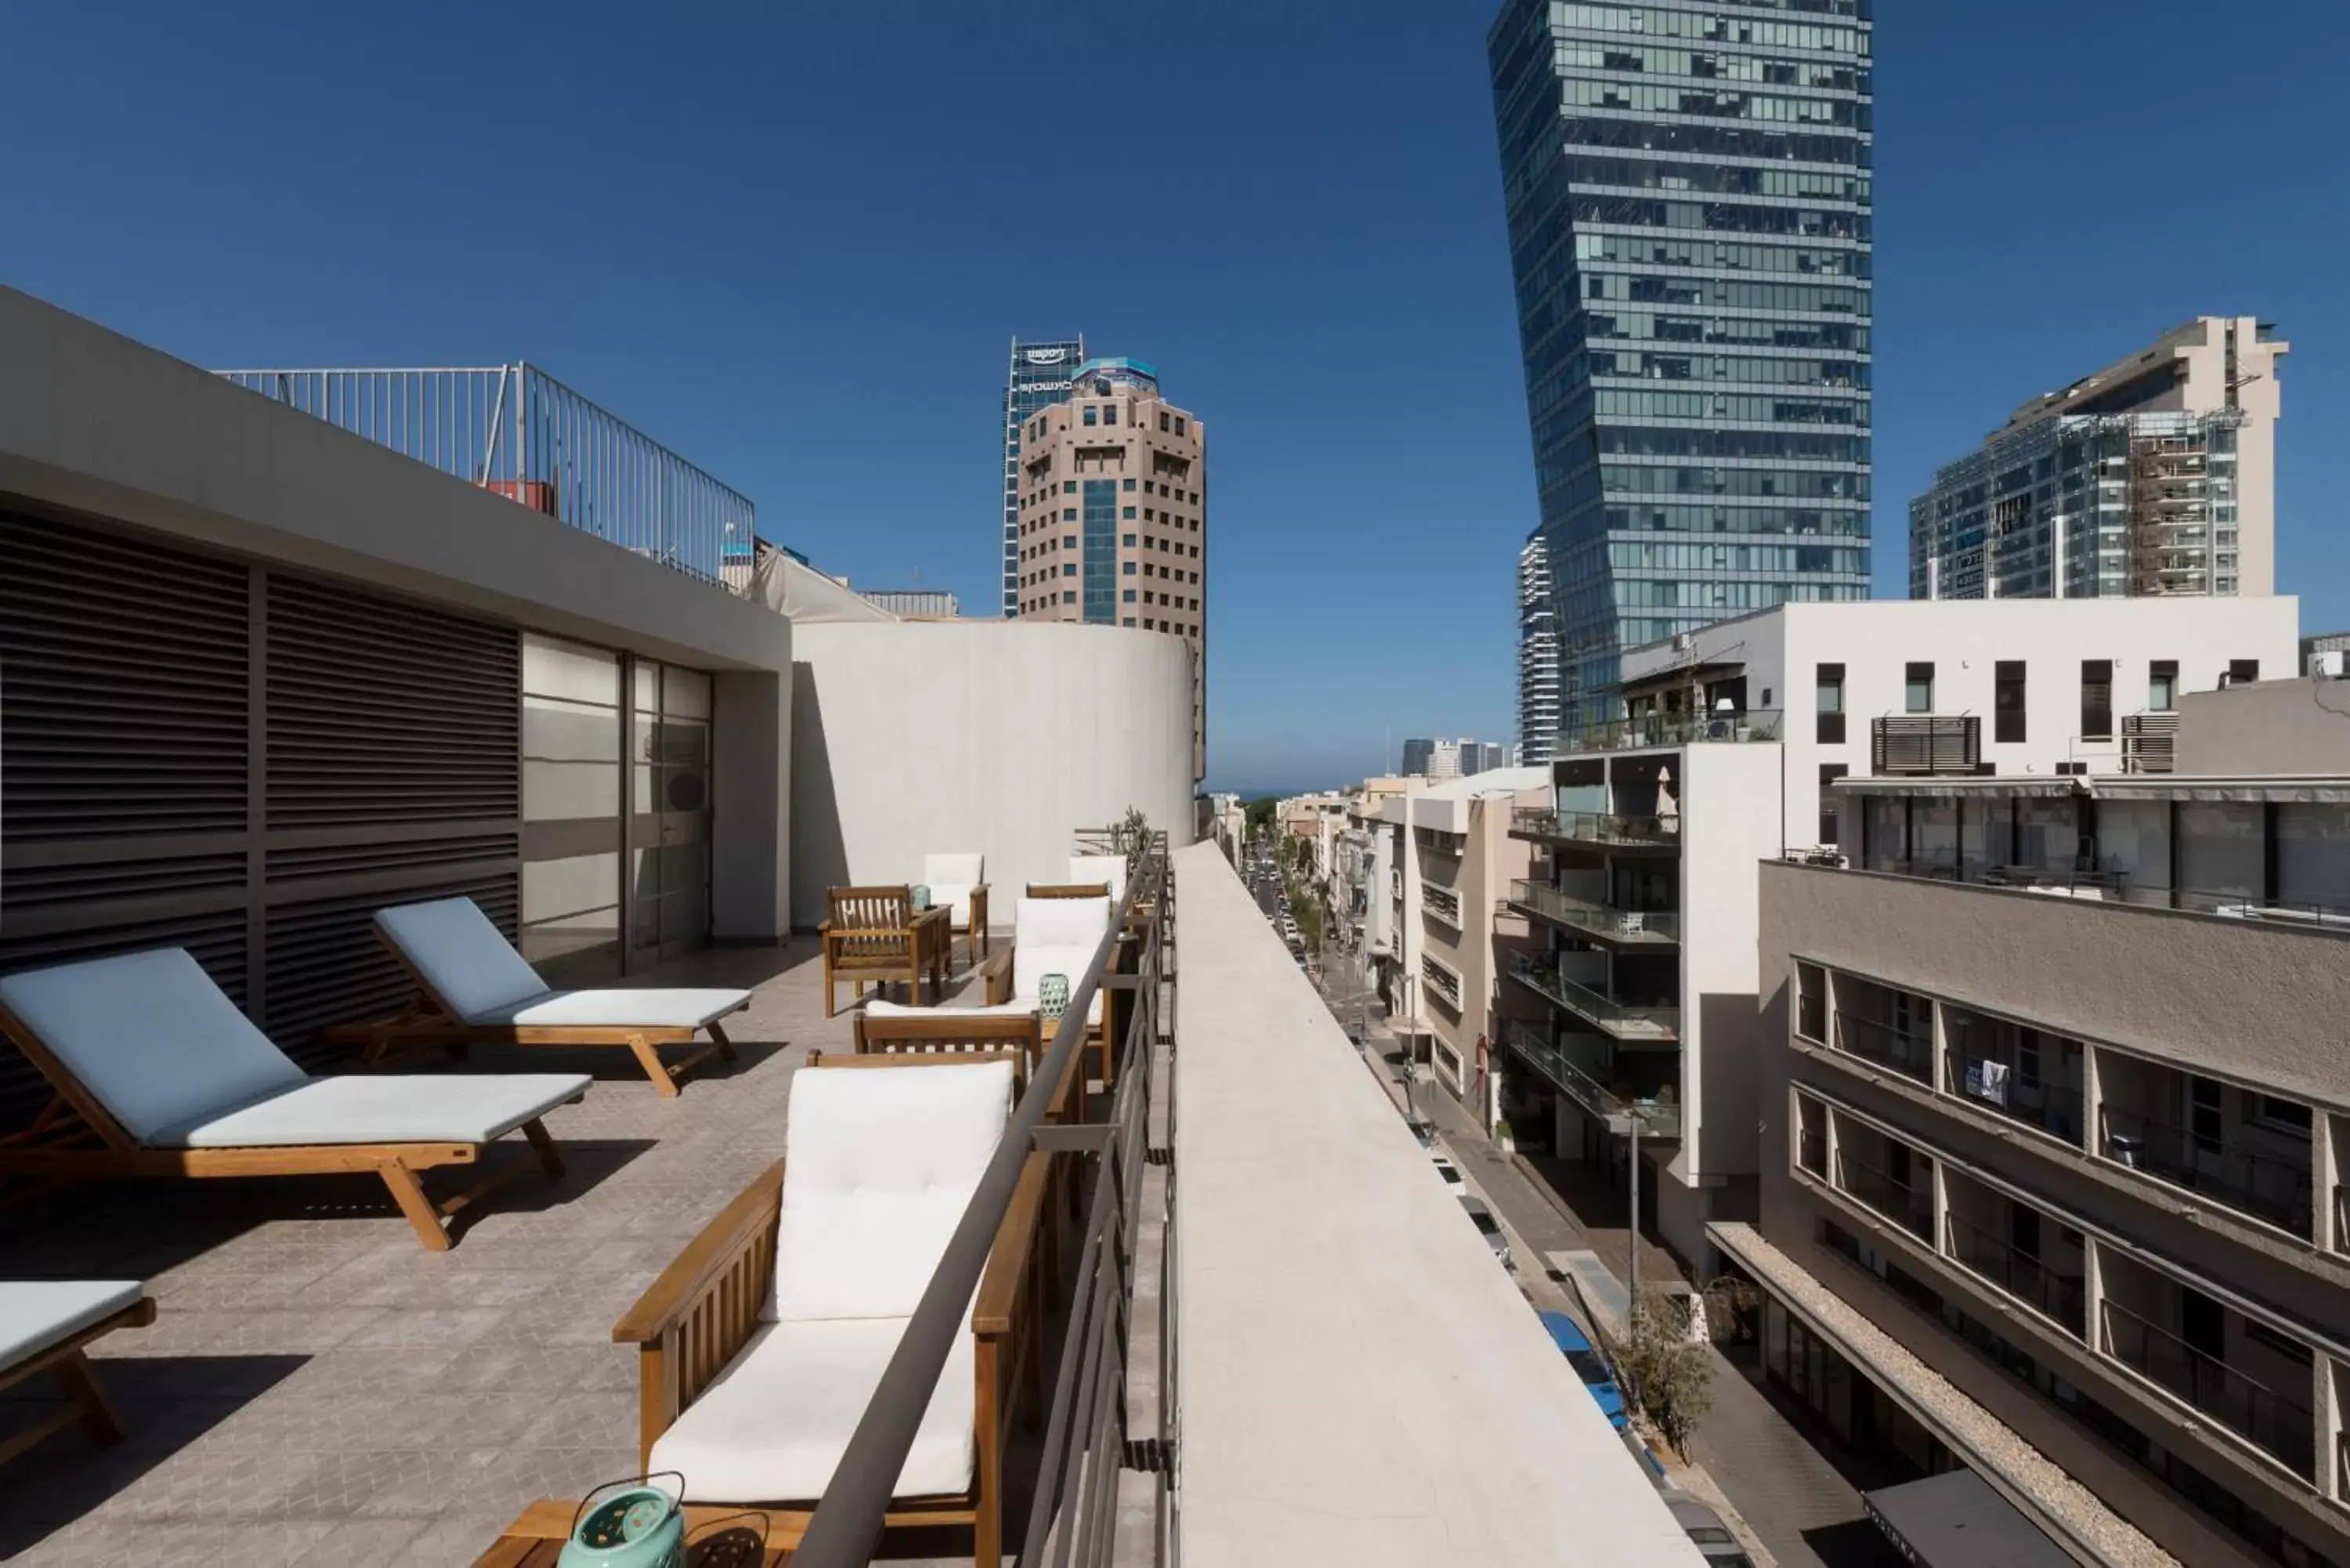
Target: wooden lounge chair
[46, 1325]
[955, 882]
[885, 1028]
[472, 986]
[1108, 869]
[156, 1073]
[1057, 932]
[760, 1345]
[875, 933]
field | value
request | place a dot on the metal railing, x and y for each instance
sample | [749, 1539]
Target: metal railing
[2277, 1191]
[1598, 827]
[2052, 1107]
[517, 430]
[1676, 729]
[1657, 1118]
[2275, 1423]
[2062, 1296]
[1615, 925]
[1924, 743]
[1619, 1019]
[1093, 1438]
[1880, 1190]
[1872, 1041]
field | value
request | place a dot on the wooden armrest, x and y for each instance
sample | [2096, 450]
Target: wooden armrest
[1007, 1260]
[669, 1299]
[995, 975]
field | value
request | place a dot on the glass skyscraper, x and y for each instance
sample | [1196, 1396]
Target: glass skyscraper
[1687, 185]
[1042, 374]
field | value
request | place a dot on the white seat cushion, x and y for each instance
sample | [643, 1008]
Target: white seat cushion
[878, 1008]
[37, 1313]
[425, 1108]
[1109, 868]
[773, 1427]
[620, 1008]
[150, 1036]
[882, 1164]
[465, 960]
[966, 870]
[1061, 922]
[955, 897]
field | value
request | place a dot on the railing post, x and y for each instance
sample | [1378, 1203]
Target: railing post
[2093, 1099]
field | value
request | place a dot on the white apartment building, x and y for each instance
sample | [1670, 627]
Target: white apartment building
[1455, 860]
[1645, 879]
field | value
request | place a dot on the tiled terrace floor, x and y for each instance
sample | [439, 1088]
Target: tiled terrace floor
[319, 1388]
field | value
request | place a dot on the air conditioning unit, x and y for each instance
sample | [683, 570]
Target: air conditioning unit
[2328, 664]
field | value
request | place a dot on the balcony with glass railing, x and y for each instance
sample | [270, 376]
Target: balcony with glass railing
[2276, 1422]
[1906, 1049]
[1581, 1074]
[1604, 829]
[1672, 729]
[1905, 1197]
[1646, 927]
[1622, 1020]
[2028, 1255]
[2237, 1147]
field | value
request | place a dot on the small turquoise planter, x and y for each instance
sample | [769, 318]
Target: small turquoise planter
[1052, 997]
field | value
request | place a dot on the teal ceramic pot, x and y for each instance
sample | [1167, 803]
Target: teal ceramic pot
[921, 896]
[627, 1524]
[1052, 997]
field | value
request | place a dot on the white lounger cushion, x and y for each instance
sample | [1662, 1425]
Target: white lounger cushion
[423, 1108]
[950, 878]
[618, 1008]
[170, 1058]
[1085, 869]
[465, 960]
[152, 1036]
[1057, 936]
[37, 1313]
[774, 1427]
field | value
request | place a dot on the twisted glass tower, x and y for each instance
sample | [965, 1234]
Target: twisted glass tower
[1688, 194]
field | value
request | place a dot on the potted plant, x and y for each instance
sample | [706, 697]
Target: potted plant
[1504, 1139]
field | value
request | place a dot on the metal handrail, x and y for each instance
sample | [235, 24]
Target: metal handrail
[846, 1524]
[1674, 729]
[1597, 826]
[2029, 1279]
[2280, 1191]
[1915, 1212]
[1878, 1042]
[1622, 925]
[1657, 1118]
[2273, 1422]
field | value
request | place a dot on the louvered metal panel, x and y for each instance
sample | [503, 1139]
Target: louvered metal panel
[390, 770]
[325, 965]
[387, 712]
[122, 685]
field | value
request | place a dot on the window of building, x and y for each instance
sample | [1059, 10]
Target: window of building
[1130, 514]
[2243, 671]
[1831, 705]
[1068, 513]
[2282, 1115]
[1068, 487]
[1129, 485]
[1128, 600]
[1917, 689]
[1109, 414]
[2162, 685]
[1831, 808]
[1070, 569]
[1127, 620]
[1091, 416]
[1162, 421]
[1178, 424]
[1126, 568]
[2096, 698]
[1069, 596]
[1128, 540]
[2007, 700]
[1069, 541]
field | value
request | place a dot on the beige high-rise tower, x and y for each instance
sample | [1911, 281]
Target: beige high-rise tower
[1113, 516]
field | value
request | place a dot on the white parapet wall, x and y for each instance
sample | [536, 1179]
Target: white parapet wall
[1006, 737]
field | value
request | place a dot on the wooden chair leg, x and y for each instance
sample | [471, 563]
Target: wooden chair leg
[98, 1417]
[725, 1046]
[650, 1060]
[828, 982]
[987, 1479]
[543, 1141]
[409, 1193]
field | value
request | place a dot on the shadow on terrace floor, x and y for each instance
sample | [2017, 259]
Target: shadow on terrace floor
[166, 1402]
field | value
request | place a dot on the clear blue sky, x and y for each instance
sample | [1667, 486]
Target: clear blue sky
[793, 241]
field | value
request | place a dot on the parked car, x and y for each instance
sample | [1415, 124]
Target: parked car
[1705, 1530]
[1488, 1226]
[1590, 1366]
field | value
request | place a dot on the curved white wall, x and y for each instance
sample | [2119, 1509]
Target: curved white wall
[998, 736]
